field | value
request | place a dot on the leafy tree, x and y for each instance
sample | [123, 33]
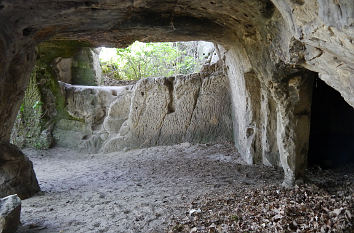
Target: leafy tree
[141, 60]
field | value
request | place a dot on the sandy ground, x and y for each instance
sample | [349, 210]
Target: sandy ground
[134, 191]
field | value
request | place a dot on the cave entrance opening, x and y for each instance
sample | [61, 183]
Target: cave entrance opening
[331, 143]
[76, 105]
[156, 59]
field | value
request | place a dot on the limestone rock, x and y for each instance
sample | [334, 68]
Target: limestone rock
[86, 69]
[95, 112]
[157, 111]
[29, 129]
[207, 53]
[118, 111]
[63, 69]
[16, 173]
[69, 133]
[326, 30]
[193, 108]
[10, 211]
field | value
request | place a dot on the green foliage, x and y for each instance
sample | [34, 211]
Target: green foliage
[141, 60]
[37, 105]
[22, 108]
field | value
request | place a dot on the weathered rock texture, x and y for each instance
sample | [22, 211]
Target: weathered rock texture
[195, 108]
[16, 173]
[10, 211]
[28, 125]
[86, 68]
[207, 52]
[87, 107]
[157, 111]
[268, 44]
[44, 104]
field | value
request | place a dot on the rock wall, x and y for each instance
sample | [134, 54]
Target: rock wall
[86, 68]
[28, 126]
[87, 107]
[325, 30]
[44, 104]
[82, 68]
[207, 52]
[156, 111]
[271, 119]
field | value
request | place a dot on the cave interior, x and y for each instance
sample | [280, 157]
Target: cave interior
[331, 142]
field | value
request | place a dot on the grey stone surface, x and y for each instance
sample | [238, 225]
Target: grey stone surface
[63, 69]
[271, 120]
[207, 52]
[10, 211]
[164, 111]
[85, 68]
[16, 173]
[326, 30]
[88, 107]
[82, 68]
[157, 111]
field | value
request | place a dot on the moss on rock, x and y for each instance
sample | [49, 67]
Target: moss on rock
[29, 123]
[44, 102]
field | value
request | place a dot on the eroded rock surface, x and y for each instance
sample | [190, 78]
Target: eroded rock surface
[325, 29]
[164, 111]
[194, 108]
[10, 211]
[88, 108]
[16, 173]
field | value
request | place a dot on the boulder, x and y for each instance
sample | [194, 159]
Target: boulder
[16, 173]
[10, 210]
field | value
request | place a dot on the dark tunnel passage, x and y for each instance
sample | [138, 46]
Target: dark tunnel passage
[332, 128]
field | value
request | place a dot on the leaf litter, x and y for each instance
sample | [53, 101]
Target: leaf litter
[323, 203]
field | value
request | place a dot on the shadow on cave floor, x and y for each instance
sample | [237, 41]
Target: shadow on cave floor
[134, 191]
[144, 190]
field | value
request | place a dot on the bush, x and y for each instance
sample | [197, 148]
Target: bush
[141, 60]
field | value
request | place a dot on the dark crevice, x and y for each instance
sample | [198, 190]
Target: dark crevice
[170, 85]
[28, 31]
[332, 128]
[268, 9]
[299, 2]
[89, 3]
[196, 96]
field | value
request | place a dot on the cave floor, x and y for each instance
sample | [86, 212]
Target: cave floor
[134, 191]
[155, 190]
